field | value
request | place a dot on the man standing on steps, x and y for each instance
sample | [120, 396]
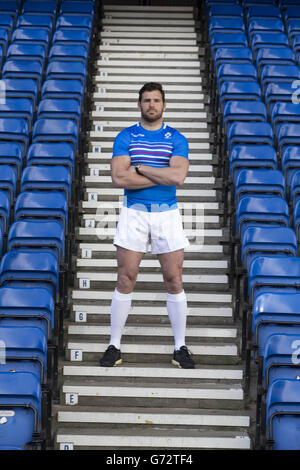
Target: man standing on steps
[149, 160]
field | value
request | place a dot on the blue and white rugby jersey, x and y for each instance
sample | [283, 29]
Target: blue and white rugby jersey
[153, 148]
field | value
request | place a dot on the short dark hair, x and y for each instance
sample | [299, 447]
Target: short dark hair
[151, 86]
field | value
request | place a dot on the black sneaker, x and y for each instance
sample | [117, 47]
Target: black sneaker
[182, 358]
[111, 357]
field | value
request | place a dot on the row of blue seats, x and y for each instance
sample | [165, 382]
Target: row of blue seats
[41, 134]
[265, 262]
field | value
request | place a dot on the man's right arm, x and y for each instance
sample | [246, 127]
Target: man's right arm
[123, 174]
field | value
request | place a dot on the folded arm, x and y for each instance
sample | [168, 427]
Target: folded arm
[173, 175]
[123, 175]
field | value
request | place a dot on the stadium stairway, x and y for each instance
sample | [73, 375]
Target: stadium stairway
[147, 403]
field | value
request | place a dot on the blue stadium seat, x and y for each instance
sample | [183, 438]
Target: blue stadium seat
[72, 37]
[78, 7]
[37, 235]
[25, 350]
[243, 110]
[276, 309]
[60, 69]
[42, 21]
[49, 7]
[28, 269]
[7, 22]
[235, 72]
[65, 108]
[262, 210]
[268, 39]
[250, 156]
[72, 21]
[238, 90]
[17, 51]
[32, 36]
[56, 130]
[284, 111]
[225, 24]
[262, 11]
[46, 177]
[69, 52]
[274, 56]
[234, 39]
[259, 240]
[259, 181]
[11, 154]
[46, 205]
[279, 74]
[5, 211]
[290, 162]
[236, 55]
[225, 11]
[32, 69]
[273, 273]
[21, 88]
[257, 25]
[15, 130]
[240, 132]
[275, 91]
[19, 108]
[34, 306]
[294, 188]
[21, 393]
[287, 134]
[11, 7]
[51, 153]
[292, 28]
[282, 415]
[63, 88]
[8, 181]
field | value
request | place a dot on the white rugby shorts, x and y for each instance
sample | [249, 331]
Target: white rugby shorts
[137, 229]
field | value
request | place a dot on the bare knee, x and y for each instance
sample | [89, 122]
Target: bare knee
[126, 282]
[173, 284]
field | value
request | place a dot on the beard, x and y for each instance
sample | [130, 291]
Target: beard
[151, 117]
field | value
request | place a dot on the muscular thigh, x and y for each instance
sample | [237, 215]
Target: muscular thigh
[128, 262]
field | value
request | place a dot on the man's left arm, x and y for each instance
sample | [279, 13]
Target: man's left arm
[173, 175]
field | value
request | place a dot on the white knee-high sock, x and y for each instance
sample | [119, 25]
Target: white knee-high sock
[119, 310]
[177, 310]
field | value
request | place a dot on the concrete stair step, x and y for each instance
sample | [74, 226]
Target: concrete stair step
[220, 315]
[79, 391]
[156, 8]
[193, 251]
[153, 417]
[96, 280]
[217, 333]
[138, 351]
[198, 298]
[206, 266]
[93, 439]
[155, 371]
